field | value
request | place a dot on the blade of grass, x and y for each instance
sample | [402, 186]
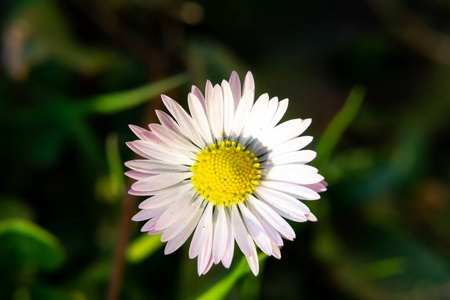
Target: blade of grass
[117, 181]
[338, 125]
[143, 247]
[120, 101]
[223, 287]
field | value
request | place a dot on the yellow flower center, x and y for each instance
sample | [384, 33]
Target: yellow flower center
[225, 173]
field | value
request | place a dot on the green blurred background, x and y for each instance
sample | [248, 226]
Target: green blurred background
[75, 73]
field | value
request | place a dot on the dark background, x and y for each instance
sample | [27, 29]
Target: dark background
[383, 230]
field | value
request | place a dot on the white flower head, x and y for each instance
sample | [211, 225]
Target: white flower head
[227, 172]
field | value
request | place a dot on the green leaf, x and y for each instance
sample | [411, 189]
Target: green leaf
[120, 101]
[224, 286]
[117, 183]
[143, 247]
[25, 244]
[338, 125]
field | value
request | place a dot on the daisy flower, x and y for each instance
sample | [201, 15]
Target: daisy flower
[225, 172]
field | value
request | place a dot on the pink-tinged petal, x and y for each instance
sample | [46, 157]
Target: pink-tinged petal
[168, 122]
[185, 233]
[154, 166]
[249, 83]
[187, 126]
[173, 212]
[137, 131]
[148, 213]
[318, 187]
[197, 93]
[286, 205]
[188, 212]
[235, 85]
[165, 196]
[160, 181]
[136, 175]
[171, 138]
[161, 151]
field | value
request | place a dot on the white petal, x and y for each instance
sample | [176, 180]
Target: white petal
[220, 233]
[300, 174]
[174, 243]
[280, 134]
[174, 211]
[272, 233]
[199, 116]
[270, 112]
[187, 126]
[296, 190]
[256, 230]
[235, 85]
[205, 256]
[272, 218]
[242, 111]
[154, 166]
[289, 146]
[281, 110]
[240, 232]
[204, 227]
[276, 251]
[253, 122]
[160, 181]
[215, 112]
[311, 217]
[228, 108]
[296, 157]
[286, 205]
[249, 83]
[229, 251]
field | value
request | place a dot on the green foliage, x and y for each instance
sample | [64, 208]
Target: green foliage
[142, 247]
[25, 245]
[221, 289]
[382, 230]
